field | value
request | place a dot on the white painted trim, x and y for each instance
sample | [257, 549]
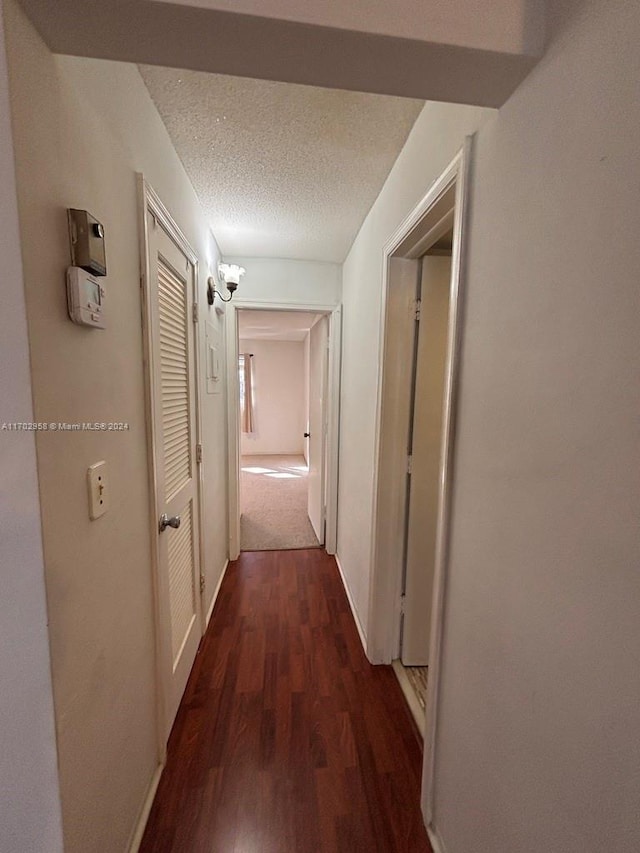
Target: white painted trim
[354, 612]
[146, 808]
[408, 241]
[333, 429]
[215, 593]
[160, 648]
[200, 382]
[437, 844]
[233, 429]
[284, 305]
[334, 312]
[383, 620]
[450, 408]
[155, 205]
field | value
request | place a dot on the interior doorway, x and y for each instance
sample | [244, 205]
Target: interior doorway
[171, 378]
[283, 426]
[415, 431]
[424, 442]
[282, 377]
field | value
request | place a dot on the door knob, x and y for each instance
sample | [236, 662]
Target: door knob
[307, 434]
[165, 521]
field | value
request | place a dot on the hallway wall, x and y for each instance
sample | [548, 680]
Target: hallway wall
[288, 281]
[541, 686]
[540, 690]
[278, 385]
[30, 801]
[436, 137]
[83, 128]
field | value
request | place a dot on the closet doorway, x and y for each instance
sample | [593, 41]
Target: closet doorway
[424, 442]
[415, 432]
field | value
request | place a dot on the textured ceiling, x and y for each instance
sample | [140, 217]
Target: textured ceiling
[282, 170]
[274, 325]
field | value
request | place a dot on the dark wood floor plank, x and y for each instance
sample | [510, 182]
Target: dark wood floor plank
[287, 740]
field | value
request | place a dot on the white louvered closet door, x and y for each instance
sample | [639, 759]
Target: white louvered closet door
[174, 389]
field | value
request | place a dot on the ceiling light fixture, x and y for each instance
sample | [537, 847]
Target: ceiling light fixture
[231, 275]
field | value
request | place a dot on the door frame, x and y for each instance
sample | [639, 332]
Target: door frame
[324, 382]
[150, 202]
[334, 314]
[421, 228]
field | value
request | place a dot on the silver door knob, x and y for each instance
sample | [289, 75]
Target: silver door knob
[165, 521]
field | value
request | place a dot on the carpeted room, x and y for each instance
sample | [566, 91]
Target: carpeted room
[280, 377]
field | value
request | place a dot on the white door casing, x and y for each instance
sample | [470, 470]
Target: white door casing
[425, 459]
[170, 282]
[318, 362]
[414, 236]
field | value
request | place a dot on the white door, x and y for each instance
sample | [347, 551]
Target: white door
[318, 361]
[171, 284]
[426, 443]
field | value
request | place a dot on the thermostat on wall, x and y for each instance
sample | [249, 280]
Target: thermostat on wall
[85, 298]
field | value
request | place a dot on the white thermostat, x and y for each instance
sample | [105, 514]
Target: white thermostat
[85, 298]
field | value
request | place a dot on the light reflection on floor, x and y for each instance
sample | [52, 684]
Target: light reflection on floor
[274, 503]
[290, 474]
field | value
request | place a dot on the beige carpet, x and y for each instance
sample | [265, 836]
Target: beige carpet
[273, 504]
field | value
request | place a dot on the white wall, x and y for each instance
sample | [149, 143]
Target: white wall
[436, 137]
[539, 746]
[290, 282]
[278, 397]
[460, 58]
[83, 129]
[30, 802]
[495, 25]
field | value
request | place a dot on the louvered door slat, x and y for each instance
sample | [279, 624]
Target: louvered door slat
[174, 367]
[181, 591]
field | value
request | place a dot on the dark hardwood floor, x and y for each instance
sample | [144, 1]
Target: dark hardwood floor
[287, 740]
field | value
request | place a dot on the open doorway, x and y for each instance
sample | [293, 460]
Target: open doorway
[422, 297]
[282, 383]
[424, 442]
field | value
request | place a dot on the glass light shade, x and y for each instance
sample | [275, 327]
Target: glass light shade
[231, 273]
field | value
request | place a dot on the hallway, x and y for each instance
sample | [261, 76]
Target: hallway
[287, 739]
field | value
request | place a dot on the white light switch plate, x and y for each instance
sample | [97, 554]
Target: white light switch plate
[98, 490]
[213, 359]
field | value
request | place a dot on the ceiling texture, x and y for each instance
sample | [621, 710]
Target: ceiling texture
[282, 170]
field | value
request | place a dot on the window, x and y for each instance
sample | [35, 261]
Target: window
[246, 391]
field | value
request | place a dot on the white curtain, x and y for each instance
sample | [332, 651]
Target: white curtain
[246, 392]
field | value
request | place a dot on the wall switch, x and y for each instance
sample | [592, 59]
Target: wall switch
[213, 359]
[98, 490]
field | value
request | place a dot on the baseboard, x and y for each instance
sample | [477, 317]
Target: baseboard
[215, 593]
[437, 843]
[146, 808]
[354, 612]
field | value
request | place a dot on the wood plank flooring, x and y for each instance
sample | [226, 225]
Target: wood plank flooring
[287, 740]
